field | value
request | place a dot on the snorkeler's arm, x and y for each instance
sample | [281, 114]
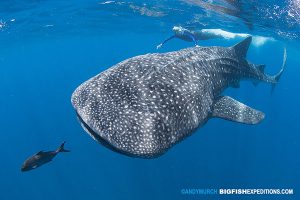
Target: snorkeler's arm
[161, 44]
[193, 38]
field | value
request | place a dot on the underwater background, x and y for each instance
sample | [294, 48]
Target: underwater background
[49, 47]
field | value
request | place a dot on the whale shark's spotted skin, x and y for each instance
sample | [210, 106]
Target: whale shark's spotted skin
[144, 105]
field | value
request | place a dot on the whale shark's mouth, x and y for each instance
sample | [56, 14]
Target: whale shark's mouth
[101, 140]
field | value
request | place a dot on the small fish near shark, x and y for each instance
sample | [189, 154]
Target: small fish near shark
[143, 106]
[41, 158]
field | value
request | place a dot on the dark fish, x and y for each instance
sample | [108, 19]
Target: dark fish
[144, 105]
[41, 158]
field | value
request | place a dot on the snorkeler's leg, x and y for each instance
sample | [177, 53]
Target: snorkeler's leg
[161, 44]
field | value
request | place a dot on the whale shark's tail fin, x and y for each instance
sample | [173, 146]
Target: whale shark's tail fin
[277, 76]
[258, 73]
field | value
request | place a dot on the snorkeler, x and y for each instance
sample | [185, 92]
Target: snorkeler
[203, 34]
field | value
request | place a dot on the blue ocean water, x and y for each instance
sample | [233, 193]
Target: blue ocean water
[49, 47]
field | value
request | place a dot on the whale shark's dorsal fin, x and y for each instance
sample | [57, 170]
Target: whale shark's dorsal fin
[242, 47]
[233, 110]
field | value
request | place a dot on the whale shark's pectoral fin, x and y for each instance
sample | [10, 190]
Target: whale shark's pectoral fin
[230, 109]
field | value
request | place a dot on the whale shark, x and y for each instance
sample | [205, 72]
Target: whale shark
[143, 106]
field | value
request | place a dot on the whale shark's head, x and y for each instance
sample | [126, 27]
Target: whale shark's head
[110, 116]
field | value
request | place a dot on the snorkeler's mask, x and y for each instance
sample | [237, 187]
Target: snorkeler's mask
[178, 30]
